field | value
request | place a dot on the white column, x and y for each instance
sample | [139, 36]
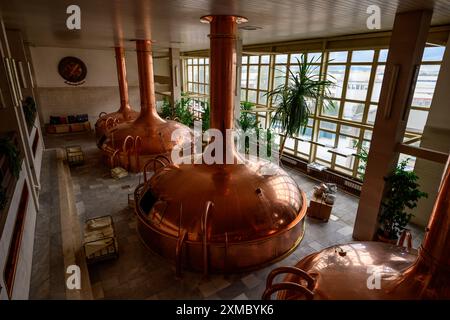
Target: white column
[436, 136]
[175, 74]
[407, 43]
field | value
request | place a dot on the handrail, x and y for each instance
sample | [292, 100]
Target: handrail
[108, 122]
[294, 270]
[179, 253]
[287, 286]
[163, 158]
[225, 263]
[137, 150]
[152, 161]
[124, 144]
[204, 224]
[127, 148]
[113, 156]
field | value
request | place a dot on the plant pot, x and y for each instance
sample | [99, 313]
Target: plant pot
[384, 239]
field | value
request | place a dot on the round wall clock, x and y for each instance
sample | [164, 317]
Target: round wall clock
[73, 70]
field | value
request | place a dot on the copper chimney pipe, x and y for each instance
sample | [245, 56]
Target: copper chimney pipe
[222, 70]
[222, 80]
[148, 112]
[125, 108]
[108, 121]
[134, 143]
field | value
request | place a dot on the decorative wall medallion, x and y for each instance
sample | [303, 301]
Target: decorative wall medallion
[73, 70]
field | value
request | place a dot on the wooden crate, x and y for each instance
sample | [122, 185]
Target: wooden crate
[318, 209]
[75, 155]
[62, 128]
[100, 241]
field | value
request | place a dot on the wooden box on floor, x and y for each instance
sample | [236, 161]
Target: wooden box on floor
[100, 241]
[67, 128]
[318, 209]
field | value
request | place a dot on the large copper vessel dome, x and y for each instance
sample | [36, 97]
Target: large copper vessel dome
[132, 144]
[221, 217]
[125, 113]
[348, 271]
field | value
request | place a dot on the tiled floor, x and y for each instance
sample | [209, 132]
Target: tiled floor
[140, 274]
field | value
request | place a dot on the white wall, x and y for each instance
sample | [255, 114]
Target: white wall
[99, 92]
[23, 268]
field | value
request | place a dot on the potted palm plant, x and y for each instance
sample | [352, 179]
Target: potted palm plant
[167, 111]
[181, 112]
[206, 110]
[292, 111]
[248, 122]
[402, 195]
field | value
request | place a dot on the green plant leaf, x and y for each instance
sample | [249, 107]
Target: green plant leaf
[292, 112]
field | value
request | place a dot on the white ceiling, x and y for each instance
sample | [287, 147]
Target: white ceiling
[175, 23]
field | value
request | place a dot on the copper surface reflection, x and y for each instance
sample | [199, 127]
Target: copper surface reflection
[132, 144]
[125, 113]
[349, 271]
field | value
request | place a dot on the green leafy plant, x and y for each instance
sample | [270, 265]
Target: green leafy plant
[292, 111]
[269, 138]
[12, 154]
[247, 120]
[181, 112]
[206, 116]
[167, 111]
[363, 156]
[29, 110]
[403, 194]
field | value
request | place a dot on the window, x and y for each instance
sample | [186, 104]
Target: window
[197, 83]
[358, 77]
[255, 79]
[424, 90]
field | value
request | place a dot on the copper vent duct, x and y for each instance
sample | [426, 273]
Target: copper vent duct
[349, 271]
[108, 120]
[132, 144]
[221, 217]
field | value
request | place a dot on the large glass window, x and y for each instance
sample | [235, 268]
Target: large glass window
[255, 79]
[197, 77]
[334, 135]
